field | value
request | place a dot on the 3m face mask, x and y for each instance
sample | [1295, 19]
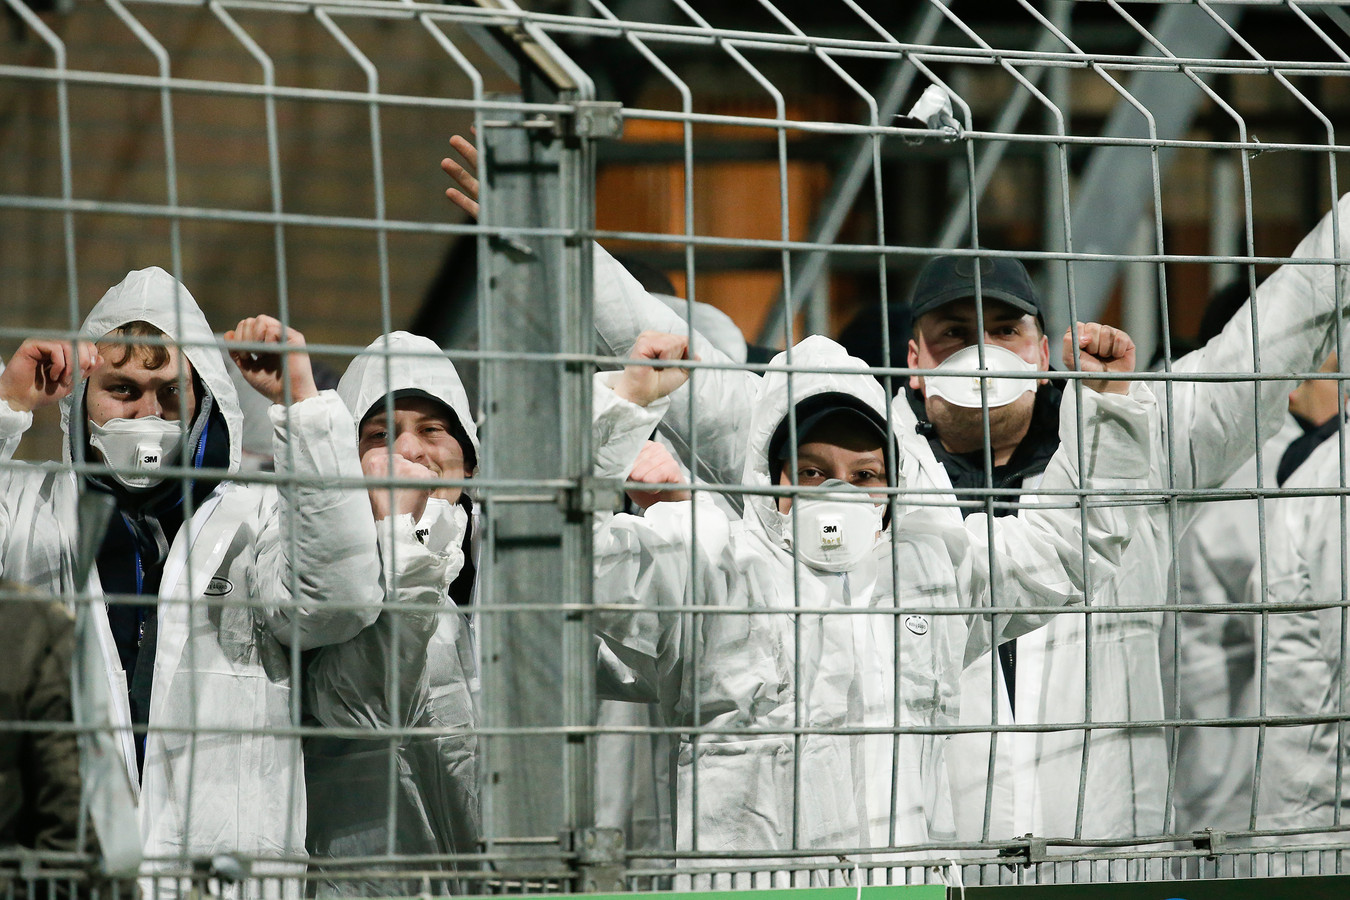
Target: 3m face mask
[135, 449]
[964, 390]
[833, 535]
[442, 524]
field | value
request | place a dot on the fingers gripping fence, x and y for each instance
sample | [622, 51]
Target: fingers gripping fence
[399, 638]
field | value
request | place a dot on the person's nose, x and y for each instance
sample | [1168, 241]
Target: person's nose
[146, 405]
[408, 446]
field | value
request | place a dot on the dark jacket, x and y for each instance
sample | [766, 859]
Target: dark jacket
[967, 472]
[39, 769]
[1032, 456]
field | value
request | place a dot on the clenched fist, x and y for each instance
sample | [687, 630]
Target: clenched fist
[266, 371]
[1104, 349]
[645, 384]
[655, 466]
[398, 501]
[43, 372]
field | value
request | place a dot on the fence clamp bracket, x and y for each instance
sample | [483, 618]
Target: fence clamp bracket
[1216, 842]
[591, 495]
[1028, 851]
[30, 864]
[599, 858]
[593, 119]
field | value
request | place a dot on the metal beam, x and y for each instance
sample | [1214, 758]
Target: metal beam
[958, 222]
[1116, 189]
[535, 298]
[808, 269]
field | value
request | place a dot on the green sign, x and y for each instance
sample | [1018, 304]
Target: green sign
[875, 892]
[1299, 888]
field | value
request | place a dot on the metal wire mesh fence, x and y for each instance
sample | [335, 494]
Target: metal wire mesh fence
[402, 638]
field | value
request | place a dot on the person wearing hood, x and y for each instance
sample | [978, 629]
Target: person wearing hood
[1212, 657]
[206, 683]
[416, 666]
[1043, 679]
[1301, 786]
[750, 672]
[939, 423]
[1104, 668]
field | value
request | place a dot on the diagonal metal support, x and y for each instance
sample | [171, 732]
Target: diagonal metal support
[807, 270]
[957, 228]
[1118, 179]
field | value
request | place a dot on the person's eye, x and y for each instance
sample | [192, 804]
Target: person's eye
[433, 429]
[378, 435]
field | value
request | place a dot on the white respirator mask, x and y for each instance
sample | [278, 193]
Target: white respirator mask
[442, 524]
[833, 535]
[135, 449]
[964, 390]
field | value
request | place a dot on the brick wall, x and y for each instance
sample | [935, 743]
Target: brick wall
[118, 155]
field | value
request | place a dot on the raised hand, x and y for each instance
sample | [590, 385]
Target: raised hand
[384, 501]
[42, 372]
[467, 198]
[644, 384]
[1104, 349]
[655, 465]
[264, 371]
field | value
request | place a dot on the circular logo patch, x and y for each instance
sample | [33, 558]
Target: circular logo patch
[219, 587]
[917, 624]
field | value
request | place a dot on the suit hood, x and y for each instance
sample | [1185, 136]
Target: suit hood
[414, 364]
[771, 409]
[153, 295]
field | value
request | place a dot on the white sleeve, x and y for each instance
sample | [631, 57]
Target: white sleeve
[379, 678]
[1216, 426]
[327, 526]
[642, 563]
[1038, 554]
[713, 436]
[13, 424]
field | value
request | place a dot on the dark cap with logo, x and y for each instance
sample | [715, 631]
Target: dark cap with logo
[947, 278]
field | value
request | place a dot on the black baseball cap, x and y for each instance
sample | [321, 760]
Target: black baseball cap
[814, 410]
[947, 278]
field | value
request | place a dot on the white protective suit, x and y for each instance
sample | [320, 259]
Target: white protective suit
[215, 781]
[742, 673]
[1213, 428]
[1216, 660]
[1037, 775]
[432, 654]
[633, 770]
[1306, 671]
